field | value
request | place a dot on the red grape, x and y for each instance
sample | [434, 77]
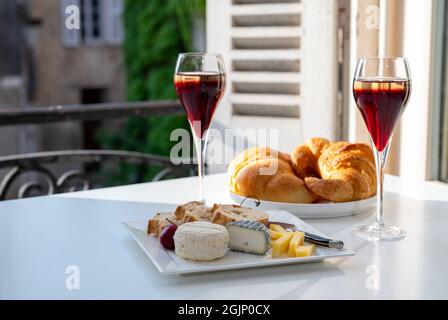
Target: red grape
[166, 237]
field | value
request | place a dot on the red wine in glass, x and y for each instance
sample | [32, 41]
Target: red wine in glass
[200, 81]
[381, 88]
[200, 93]
[381, 103]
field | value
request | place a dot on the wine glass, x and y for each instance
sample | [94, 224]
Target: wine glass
[200, 80]
[381, 88]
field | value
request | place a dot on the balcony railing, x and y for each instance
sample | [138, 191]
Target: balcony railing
[44, 181]
[102, 111]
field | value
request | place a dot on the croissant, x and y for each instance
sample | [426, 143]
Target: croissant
[340, 171]
[267, 174]
[304, 157]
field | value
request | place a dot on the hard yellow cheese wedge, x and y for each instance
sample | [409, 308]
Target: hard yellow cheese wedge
[296, 241]
[305, 251]
[281, 245]
[278, 228]
[275, 234]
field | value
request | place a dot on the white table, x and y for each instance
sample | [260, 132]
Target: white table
[40, 237]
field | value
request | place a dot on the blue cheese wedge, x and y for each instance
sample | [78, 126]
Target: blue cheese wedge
[249, 237]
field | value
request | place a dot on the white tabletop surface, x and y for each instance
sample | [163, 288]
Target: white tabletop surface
[41, 237]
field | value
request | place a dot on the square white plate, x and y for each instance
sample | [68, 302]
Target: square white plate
[167, 262]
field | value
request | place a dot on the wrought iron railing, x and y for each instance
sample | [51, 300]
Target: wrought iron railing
[45, 181]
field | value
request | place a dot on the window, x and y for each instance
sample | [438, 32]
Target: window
[100, 23]
[90, 128]
[91, 31]
[444, 104]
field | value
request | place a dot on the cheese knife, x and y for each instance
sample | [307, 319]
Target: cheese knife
[318, 240]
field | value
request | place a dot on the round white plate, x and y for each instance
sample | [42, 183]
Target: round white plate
[314, 210]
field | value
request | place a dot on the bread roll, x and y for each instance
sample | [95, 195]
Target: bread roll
[267, 174]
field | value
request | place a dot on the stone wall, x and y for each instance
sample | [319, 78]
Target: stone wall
[61, 73]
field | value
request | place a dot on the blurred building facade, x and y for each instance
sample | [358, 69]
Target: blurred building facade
[11, 76]
[43, 62]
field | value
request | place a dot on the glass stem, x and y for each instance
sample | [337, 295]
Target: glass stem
[380, 162]
[200, 145]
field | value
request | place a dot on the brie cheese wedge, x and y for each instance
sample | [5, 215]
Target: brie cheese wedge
[201, 241]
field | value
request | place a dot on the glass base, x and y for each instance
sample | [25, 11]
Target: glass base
[376, 232]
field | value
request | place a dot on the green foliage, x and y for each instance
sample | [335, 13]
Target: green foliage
[156, 31]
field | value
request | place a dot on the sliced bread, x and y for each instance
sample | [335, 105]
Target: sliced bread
[224, 214]
[192, 211]
[157, 223]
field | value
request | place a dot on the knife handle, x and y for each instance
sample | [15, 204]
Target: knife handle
[336, 244]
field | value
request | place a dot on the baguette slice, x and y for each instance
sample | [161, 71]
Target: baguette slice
[191, 212]
[157, 223]
[224, 214]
